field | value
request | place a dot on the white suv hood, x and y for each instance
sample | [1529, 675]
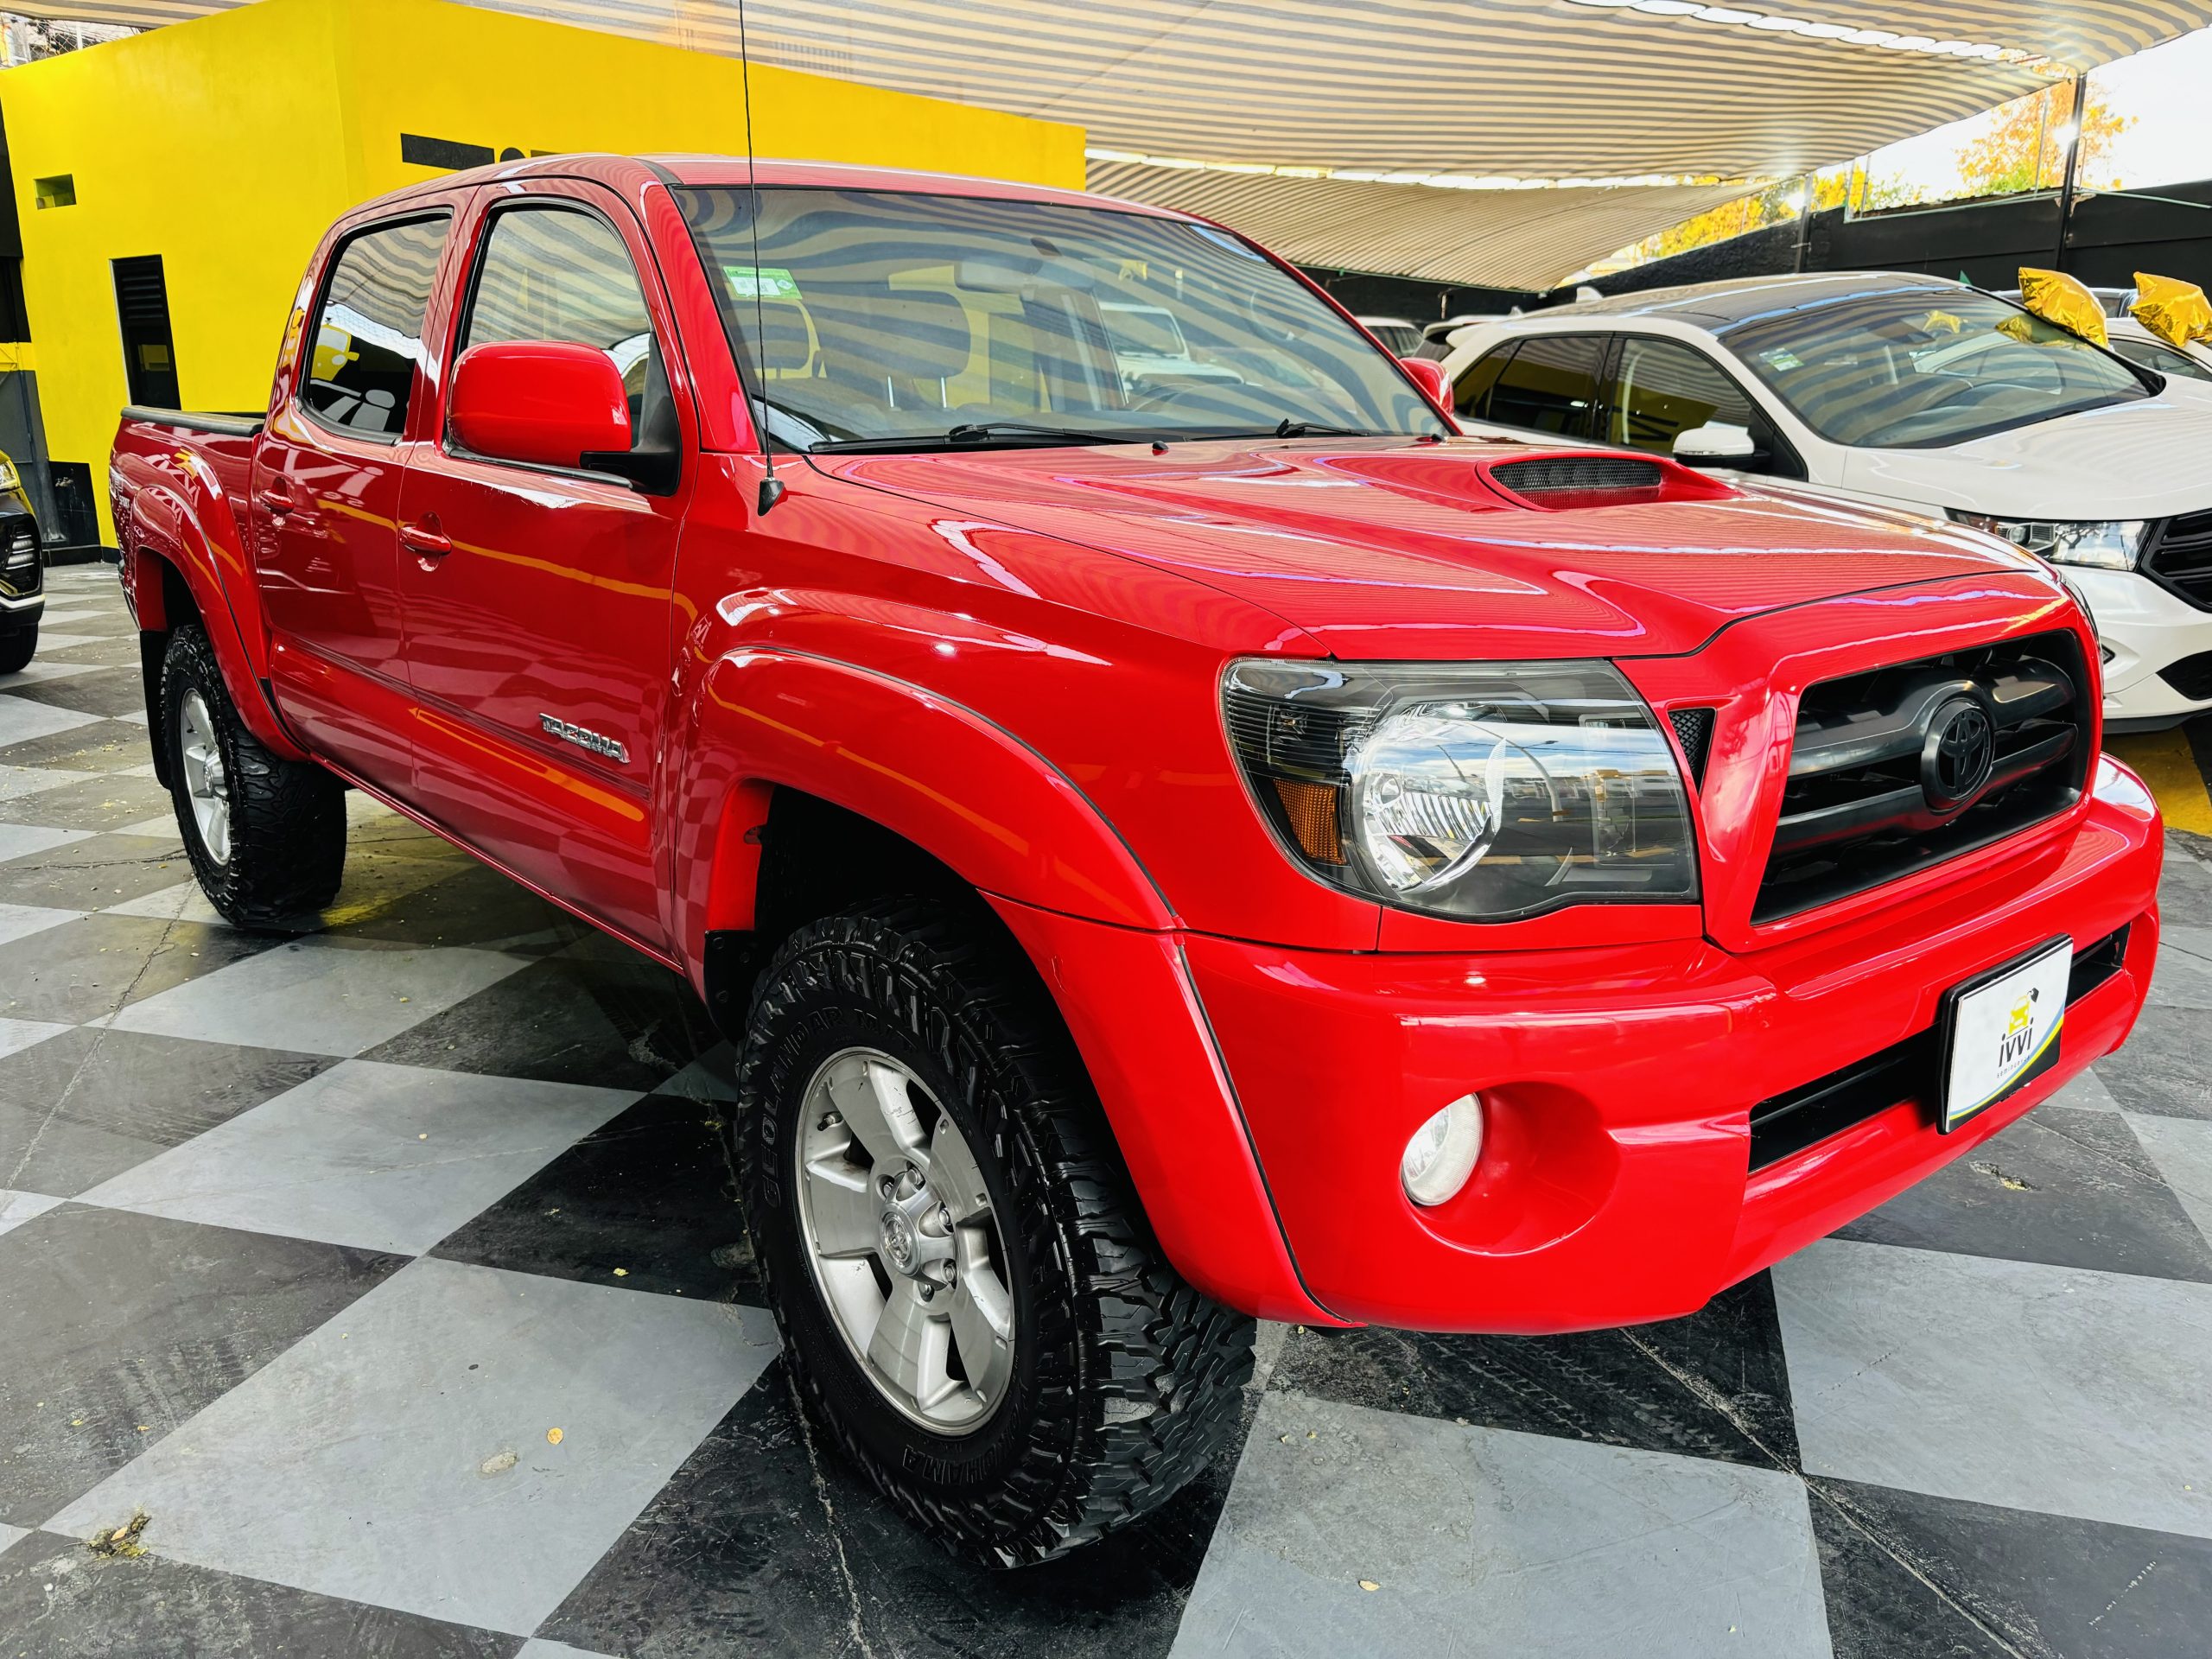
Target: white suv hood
[2143, 460]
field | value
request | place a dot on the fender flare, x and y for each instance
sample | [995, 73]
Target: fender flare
[179, 516]
[949, 780]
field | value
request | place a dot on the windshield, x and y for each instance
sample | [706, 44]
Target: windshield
[889, 320]
[1924, 367]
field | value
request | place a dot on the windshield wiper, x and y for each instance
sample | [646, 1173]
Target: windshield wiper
[1291, 429]
[977, 434]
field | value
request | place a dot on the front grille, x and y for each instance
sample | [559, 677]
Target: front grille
[19, 566]
[2180, 558]
[1910, 1071]
[1874, 794]
[2191, 677]
[1695, 727]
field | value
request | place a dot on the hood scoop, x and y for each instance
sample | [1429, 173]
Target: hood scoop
[1559, 482]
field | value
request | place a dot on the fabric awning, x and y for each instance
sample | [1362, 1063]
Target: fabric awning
[1493, 90]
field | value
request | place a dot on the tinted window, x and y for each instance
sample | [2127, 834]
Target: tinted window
[1911, 368]
[1470, 397]
[1550, 385]
[2153, 355]
[894, 319]
[368, 330]
[1661, 388]
[561, 274]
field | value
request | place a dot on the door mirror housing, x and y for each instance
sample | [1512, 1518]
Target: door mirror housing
[1428, 375]
[548, 403]
[1716, 444]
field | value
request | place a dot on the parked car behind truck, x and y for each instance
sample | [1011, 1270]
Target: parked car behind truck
[22, 573]
[1167, 854]
[1911, 391]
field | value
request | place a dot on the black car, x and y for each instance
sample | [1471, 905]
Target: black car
[23, 582]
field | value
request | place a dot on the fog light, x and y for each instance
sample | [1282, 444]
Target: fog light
[1442, 1153]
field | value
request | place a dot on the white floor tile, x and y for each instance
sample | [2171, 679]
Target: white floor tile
[17, 1035]
[162, 828]
[399, 1455]
[317, 997]
[21, 840]
[2058, 1389]
[39, 670]
[1481, 1540]
[2182, 1149]
[381, 1157]
[18, 781]
[20, 719]
[16, 1207]
[8, 1534]
[20, 921]
[47, 642]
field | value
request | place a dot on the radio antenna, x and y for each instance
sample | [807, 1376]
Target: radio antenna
[772, 487]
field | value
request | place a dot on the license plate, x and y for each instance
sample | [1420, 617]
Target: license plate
[2001, 1029]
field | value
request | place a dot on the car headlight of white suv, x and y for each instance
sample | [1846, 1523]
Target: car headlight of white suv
[2105, 543]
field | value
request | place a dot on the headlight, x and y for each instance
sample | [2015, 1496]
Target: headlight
[8, 479]
[2107, 543]
[1482, 792]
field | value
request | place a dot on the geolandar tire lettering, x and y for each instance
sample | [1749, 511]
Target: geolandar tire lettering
[971, 1302]
[266, 836]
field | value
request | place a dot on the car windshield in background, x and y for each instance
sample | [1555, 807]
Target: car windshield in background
[886, 320]
[1925, 367]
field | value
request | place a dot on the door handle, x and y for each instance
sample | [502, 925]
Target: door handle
[425, 539]
[276, 501]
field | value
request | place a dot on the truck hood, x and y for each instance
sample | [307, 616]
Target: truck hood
[2144, 460]
[1387, 547]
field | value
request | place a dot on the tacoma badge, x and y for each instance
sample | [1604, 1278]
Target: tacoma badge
[584, 739]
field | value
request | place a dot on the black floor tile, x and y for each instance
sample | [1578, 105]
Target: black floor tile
[120, 1326]
[649, 1193]
[104, 745]
[59, 1600]
[2163, 1069]
[95, 965]
[739, 1553]
[612, 1019]
[2064, 1186]
[89, 875]
[104, 801]
[476, 906]
[89, 1104]
[113, 691]
[1913, 1577]
[1714, 1385]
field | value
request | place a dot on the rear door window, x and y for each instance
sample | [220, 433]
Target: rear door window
[368, 327]
[1659, 389]
[1551, 384]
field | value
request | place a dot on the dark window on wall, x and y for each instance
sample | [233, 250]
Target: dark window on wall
[141, 304]
[1550, 385]
[368, 327]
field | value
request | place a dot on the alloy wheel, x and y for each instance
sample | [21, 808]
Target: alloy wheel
[898, 1228]
[206, 783]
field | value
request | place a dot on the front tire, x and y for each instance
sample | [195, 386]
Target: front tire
[266, 836]
[971, 1302]
[16, 649]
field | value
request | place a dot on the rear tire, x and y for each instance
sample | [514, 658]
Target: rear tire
[1122, 1382]
[266, 836]
[17, 649]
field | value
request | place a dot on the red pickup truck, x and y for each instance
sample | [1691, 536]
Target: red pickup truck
[1177, 832]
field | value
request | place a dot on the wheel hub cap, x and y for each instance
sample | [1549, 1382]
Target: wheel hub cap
[905, 1246]
[206, 783]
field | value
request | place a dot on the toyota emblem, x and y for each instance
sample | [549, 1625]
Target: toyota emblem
[1960, 753]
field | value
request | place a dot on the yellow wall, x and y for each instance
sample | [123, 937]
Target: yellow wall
[226, 145]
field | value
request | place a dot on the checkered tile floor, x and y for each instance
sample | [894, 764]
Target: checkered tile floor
[389, 1272]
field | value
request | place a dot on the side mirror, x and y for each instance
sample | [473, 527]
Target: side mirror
[1428, 374]
[545, 402]
[1715, 444]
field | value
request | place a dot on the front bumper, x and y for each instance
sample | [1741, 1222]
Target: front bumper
[1616, 1184]
[2147, 628]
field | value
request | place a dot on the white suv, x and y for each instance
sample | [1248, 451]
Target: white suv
[1913, 391]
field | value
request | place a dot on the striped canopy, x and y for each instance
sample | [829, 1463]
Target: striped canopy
[1686, 102]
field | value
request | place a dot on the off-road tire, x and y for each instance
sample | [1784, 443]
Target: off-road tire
[287, 818]
[17, 648]
[1126, 1380]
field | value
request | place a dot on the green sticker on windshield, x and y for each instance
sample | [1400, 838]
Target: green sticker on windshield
[761, 282]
